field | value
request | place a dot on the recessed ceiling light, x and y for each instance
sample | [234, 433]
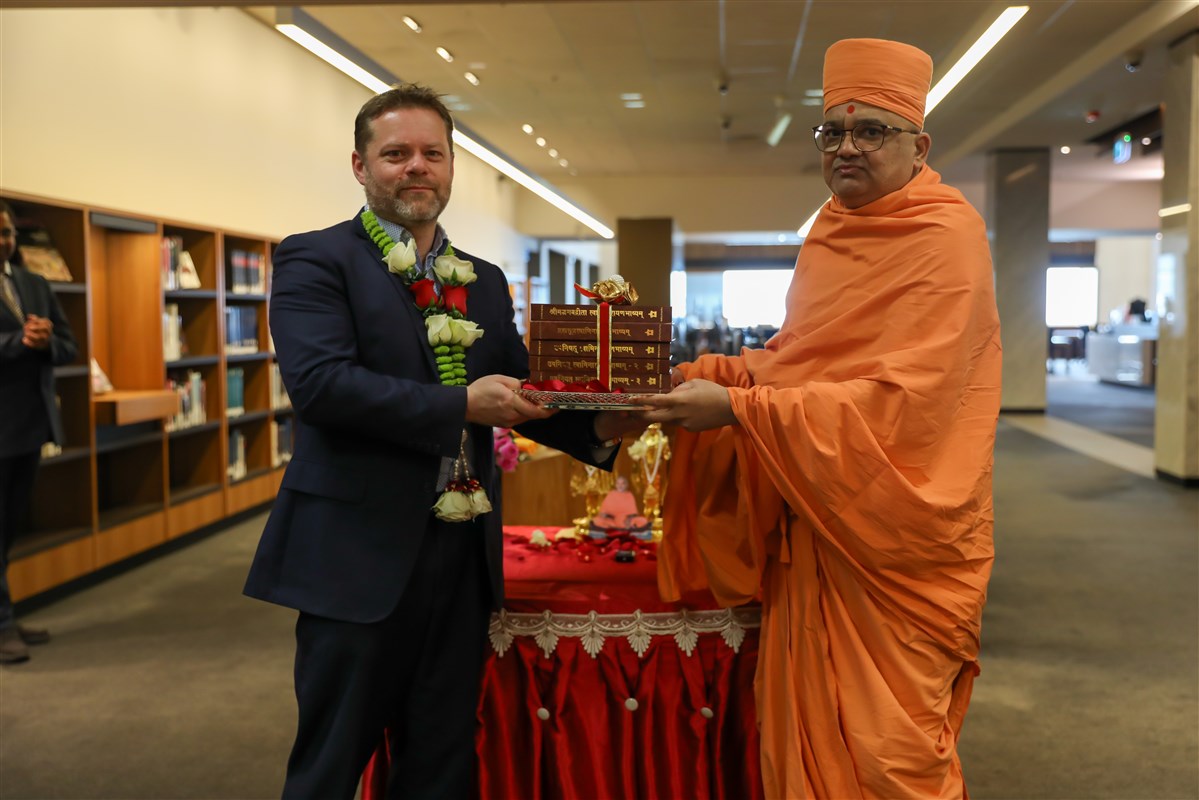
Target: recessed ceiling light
[631, 96]
[563, 162]
[634, 104]
[441, 51]
[474, 79]
[540, 142]
[1065, 149]
[553, 153]
[527, 128]
[1146, 141]
[813, 93]
[812, 101]
[413, 24]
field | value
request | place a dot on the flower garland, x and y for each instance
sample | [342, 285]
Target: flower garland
[449, 333]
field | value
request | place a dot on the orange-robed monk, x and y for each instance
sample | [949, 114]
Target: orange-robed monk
[843, 473]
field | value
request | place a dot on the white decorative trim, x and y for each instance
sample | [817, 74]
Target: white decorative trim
[685, 626]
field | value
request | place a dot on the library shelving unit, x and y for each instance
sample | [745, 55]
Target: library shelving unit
[149, 460]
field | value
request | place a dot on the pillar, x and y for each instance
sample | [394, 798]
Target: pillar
[644, 254]
[1176, 426]
[1018, 228]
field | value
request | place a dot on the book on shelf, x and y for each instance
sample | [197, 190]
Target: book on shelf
[100, 381]
[279, 397]
[235, 383]
[247, 272]
[192, 390]
[189, 278]
[282, 441]
[241, 329]
[236, 468]
[174, 343]
[39, 255]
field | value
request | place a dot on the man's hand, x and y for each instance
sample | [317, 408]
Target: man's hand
[492, 400]
[697, 405]
[36, 335]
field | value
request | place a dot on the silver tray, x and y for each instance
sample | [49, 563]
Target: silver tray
[584, 401]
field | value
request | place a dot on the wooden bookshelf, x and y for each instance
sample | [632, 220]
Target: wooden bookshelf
[130, 476]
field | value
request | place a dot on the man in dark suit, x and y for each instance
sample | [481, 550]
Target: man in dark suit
[34, 338]
[394, 599]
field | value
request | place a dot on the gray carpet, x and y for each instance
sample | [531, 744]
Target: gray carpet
[1122, 411]
[164, 682]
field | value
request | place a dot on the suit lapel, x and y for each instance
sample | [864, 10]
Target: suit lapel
[415, 318]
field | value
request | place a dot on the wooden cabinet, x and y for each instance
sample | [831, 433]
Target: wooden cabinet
[154, 303]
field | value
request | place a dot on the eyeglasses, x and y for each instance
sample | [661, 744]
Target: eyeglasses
[866, 136]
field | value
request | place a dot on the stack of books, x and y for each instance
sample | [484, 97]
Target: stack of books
[193, 394]
[564, 345]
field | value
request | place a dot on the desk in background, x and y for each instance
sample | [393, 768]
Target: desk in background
[595, 688]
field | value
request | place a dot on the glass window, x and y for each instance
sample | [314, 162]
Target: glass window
[755, 297]
[1071, 297]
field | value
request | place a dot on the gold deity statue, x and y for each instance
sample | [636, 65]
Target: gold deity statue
[651, 451]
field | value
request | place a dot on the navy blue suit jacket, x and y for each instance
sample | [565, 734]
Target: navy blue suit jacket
[373, 424]
[29, 416]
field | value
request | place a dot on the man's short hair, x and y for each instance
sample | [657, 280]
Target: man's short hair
[5, 208]
[405, 95]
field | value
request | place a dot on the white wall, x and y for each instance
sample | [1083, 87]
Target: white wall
[205, 116]
[1127, 269]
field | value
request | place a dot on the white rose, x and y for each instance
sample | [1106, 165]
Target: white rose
[636, 450]
[464, 332]
[454, 506]
[402, 257]
[454, 271]
[439, 328]
[479, 504]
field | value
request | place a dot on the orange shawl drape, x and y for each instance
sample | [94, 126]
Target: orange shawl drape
[854, 497]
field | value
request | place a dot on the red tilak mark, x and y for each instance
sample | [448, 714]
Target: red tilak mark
[849, 110]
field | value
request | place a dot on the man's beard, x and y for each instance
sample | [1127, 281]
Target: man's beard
[396, 209]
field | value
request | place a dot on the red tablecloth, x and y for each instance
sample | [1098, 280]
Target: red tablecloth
[595, 688]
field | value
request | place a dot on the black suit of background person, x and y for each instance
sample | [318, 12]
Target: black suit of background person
[394, 603]
[34, 338]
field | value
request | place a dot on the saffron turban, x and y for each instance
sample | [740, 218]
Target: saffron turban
[889, 75]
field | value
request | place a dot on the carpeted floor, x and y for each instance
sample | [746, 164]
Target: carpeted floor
[1117, 410]
[164, 682]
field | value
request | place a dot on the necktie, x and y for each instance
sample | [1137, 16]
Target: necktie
[10, 295]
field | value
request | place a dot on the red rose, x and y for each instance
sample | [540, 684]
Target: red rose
[454, 298]
[424, 293]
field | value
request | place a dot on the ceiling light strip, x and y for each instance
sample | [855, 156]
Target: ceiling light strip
[969, 60]
[331, 56]
[545, 193]
[288, 22]
[1170, 211]
[999, 28]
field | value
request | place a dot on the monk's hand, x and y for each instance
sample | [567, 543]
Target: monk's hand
[492, 400]
[696, 405]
